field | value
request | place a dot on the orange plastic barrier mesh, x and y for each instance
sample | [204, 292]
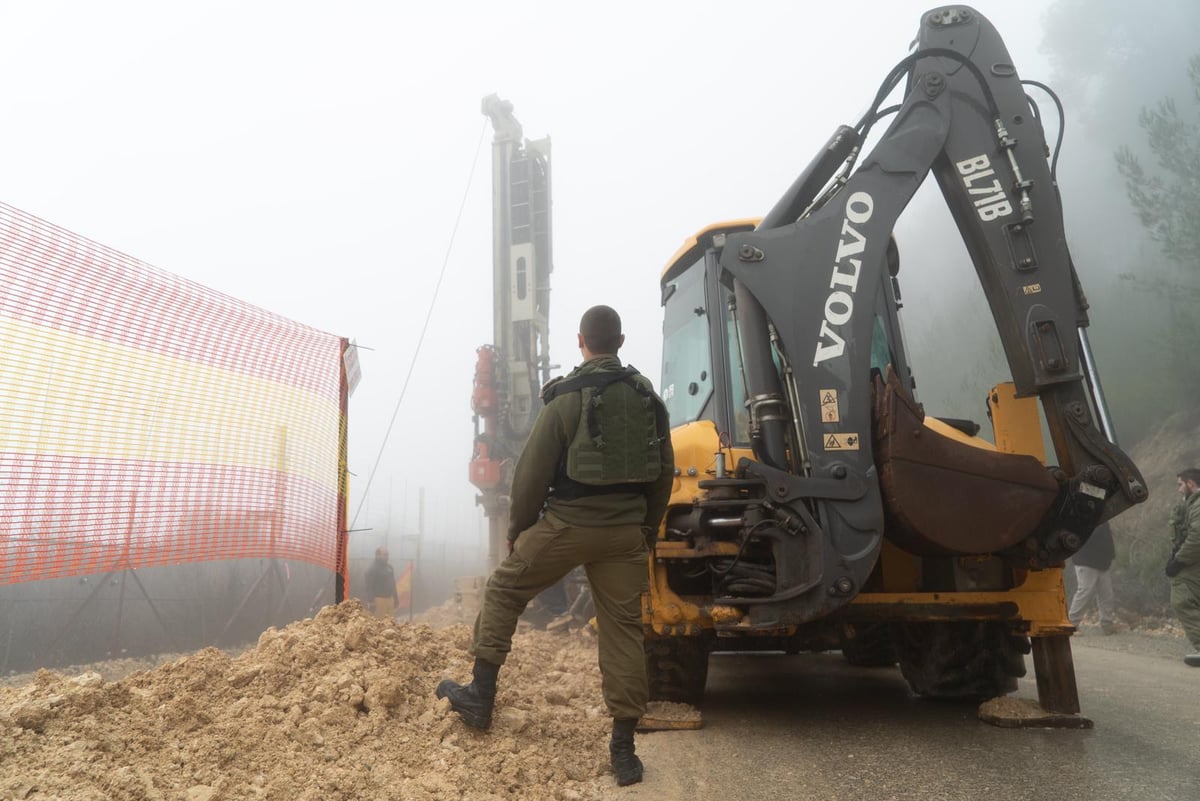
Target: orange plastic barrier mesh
[147, 420]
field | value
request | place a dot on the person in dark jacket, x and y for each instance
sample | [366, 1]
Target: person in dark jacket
[382, 594]
[1092, 563]
[590, 488]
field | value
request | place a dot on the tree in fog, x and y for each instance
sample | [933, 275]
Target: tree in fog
[1112, 66]
[1168, 201]
[1114, 63]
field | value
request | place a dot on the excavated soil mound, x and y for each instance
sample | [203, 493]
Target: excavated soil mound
[340, 706]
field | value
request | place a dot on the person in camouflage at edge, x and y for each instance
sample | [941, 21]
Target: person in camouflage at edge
[1184, 566]
[590, 488]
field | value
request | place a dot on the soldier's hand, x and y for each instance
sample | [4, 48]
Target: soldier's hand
[650, 535]
[511, 544]
[1173, 567]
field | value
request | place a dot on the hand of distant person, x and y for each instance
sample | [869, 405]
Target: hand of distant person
[1173, 568]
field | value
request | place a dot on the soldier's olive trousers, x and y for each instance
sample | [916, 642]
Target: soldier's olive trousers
[615, 560]
[1185, 599]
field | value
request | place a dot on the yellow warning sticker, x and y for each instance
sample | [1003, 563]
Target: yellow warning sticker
[829, 406]
[841, 442]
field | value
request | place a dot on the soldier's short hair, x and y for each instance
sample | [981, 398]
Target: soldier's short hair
[601, 329]
[1191, 474]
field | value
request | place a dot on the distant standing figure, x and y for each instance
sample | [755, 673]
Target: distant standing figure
[1093, 580]
[1183, 568]
[381, 586]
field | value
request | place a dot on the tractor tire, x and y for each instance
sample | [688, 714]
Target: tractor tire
[967, 660]
[867, 644]
[677, 669]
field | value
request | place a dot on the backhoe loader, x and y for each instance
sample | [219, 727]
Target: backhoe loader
[818, 505]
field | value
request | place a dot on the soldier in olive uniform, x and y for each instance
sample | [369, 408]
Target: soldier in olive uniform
[1184, 566]
[590, 488]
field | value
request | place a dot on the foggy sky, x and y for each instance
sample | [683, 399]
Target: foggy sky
[311, 159]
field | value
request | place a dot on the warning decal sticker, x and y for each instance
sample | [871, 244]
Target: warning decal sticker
[841, 442]
[829, 406]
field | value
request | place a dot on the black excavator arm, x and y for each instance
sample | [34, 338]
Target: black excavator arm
[833, 437]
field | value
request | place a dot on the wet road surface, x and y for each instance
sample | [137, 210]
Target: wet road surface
[813, 727]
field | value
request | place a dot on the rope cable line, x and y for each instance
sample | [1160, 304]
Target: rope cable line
[424, 328]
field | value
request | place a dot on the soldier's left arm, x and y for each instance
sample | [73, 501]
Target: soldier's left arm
[537, 466]
[1189, 551]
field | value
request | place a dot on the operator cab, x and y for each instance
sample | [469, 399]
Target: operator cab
[702, 376]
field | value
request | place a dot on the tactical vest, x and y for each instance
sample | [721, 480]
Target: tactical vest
[617, 443]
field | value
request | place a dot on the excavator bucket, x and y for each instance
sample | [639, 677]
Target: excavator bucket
[943, 496]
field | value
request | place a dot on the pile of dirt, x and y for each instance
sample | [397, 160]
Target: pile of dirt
[112, 669]
[340, 706]
[446, 614]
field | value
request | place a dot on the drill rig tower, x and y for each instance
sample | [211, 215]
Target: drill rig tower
[509, 372]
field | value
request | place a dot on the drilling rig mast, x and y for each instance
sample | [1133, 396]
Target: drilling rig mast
[510, 371]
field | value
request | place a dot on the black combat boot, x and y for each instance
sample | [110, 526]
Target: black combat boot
[474, 702]
[625, 764]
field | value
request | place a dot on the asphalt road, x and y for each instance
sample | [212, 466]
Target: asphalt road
[813, 727]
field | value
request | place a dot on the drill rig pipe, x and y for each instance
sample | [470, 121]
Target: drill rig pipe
[1093, 379]
[769, 430]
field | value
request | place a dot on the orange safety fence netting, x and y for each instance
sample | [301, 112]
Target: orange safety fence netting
[148, 420]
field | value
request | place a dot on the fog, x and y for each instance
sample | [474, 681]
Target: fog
[1107, 62]
[313, 160]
